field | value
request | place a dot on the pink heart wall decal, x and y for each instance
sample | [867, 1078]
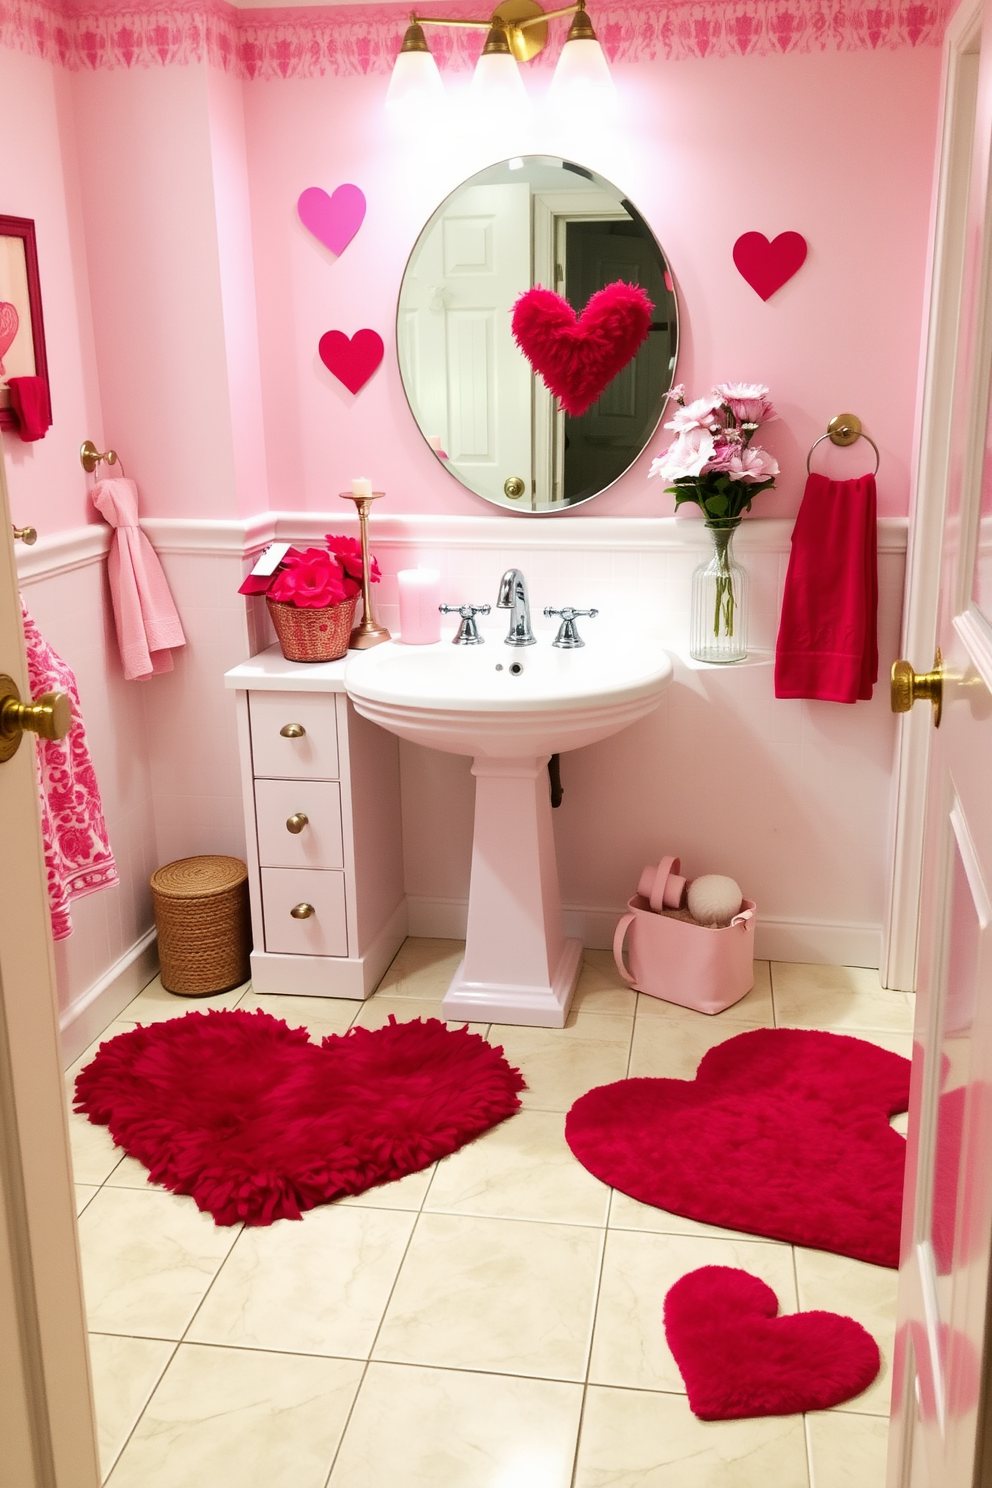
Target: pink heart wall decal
[768, 265]
[579, 356]
[334, 220]
[738, 1358]
[351, 361]
[9, 322]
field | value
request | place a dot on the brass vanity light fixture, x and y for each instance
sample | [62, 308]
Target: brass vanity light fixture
[517, 31]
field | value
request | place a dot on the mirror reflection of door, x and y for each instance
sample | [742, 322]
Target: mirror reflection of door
[487, 415]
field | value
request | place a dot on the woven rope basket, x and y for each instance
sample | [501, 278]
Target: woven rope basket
[203, 923]
[312, 635]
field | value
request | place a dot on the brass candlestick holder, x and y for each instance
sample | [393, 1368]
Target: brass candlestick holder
[368, 632]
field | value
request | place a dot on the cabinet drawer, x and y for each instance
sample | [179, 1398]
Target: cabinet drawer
[325, 932]
[318, 844]
[311, 756]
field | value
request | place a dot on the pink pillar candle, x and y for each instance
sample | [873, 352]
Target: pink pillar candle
[420, 596]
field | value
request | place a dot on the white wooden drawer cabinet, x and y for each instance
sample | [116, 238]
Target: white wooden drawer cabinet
[322, 823]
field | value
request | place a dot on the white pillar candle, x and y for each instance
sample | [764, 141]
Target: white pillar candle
[420, 596]
[361, 487]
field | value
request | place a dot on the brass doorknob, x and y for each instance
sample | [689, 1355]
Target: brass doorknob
[50, 716]
[908, 686]
[296, 822]
[292, 731]
[514, 487]
[302, 911]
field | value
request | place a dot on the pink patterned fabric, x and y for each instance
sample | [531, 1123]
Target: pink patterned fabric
[78, 858]
[145, 616]
[300, 42]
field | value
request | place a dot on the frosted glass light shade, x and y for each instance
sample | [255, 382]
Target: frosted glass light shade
[415, 84]
[582, 76]
[497, 84]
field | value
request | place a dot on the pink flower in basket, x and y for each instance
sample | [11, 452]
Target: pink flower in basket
[348, 551]
[311, 581]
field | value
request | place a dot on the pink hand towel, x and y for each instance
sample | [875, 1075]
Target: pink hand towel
[78, 858]
[147, 623]
[828, 634]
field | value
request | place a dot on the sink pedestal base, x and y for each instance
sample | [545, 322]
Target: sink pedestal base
[518, 966]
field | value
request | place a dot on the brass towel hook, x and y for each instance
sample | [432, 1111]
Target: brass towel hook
[90, 457]
[845, 429]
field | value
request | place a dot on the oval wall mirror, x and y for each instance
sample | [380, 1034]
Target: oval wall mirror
[485, 413]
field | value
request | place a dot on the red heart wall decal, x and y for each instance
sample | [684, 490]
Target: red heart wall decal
[9, 322]
[578, 356]
[352, 361]
[739, 1358]
[767, 266]
[257, 1123]
[784, 1132]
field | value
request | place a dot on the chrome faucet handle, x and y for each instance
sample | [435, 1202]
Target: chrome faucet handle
[468, 632]
[568, 637]
[513, 597]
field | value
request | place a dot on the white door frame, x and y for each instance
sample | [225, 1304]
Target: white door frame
[47, 1431]
[926, 519]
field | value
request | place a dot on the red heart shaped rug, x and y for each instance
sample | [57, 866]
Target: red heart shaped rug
[257, 1123]
[351, 361]
[739, 1358]
[767, 266]
[784, 1132]
[578, 356]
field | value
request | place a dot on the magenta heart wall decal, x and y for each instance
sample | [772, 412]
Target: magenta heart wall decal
[334, 220]
[768, 265]
[784, 1132]
[578, 356]
[739, 1358]
[9, 322]
[351, 361]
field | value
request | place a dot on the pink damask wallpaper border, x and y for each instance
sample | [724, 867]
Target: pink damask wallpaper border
[343, 40]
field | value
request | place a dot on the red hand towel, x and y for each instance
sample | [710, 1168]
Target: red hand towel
[828, 635]
[29, 400]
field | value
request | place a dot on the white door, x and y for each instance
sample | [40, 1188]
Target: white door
[47, 1437]
[468, 382]
[941, 1434]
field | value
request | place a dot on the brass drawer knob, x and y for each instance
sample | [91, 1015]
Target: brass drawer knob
[292, 731]
[908, 687]
[50, 716]
[302, 911]
[296, 822]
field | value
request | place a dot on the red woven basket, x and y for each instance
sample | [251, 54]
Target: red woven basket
[313, 635]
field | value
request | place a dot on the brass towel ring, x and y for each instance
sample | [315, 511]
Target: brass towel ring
[90, 457]
[844, 429]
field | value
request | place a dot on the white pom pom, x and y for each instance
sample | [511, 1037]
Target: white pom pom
[714, 899]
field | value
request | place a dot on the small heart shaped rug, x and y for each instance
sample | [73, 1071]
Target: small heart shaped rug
[739, 1358]
[768, 265]
[257, 1123]
[352, 361]
[784, 1132]
[579, 356]
[334, 220]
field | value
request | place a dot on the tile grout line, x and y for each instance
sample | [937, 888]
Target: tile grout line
[105, 1477]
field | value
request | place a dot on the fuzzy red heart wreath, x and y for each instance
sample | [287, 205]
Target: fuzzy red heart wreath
[784, 1132]
[579, 356]
[739, 1358]
[257, 1123]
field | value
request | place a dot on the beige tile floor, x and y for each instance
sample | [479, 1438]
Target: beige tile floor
[492, 1322]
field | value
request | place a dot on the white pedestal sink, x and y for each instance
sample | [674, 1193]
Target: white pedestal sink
[511, 708]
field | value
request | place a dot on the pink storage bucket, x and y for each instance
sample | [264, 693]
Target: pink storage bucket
[696, 966]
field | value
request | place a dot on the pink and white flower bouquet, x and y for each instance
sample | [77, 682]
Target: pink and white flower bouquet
[712, 460]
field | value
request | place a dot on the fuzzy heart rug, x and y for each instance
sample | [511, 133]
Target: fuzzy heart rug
[784, 1133]
[578, 356]
[739, 1358]
[257, 1123]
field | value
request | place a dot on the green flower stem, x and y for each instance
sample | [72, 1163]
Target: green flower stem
[726, 603]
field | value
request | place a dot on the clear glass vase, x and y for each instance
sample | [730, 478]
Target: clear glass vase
[718, 620]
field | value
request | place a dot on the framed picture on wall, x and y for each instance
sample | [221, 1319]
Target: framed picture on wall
[22, 327]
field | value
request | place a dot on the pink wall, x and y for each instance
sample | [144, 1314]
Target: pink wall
[838, 147]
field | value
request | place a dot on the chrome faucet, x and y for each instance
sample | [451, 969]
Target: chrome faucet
[513, 597]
